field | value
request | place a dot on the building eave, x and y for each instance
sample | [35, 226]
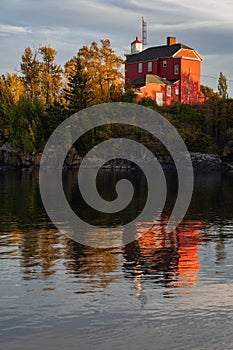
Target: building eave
[199, 57]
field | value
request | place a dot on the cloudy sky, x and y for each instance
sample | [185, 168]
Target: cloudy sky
[68, 25]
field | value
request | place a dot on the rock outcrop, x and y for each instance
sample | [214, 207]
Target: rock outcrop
[27, 161]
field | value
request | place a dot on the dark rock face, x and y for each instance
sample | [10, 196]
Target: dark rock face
[206, 161]
[8, 156]
[26, 161]
[20, 159]
[73, 159]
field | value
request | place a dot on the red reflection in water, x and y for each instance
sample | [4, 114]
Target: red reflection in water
[188, 263]
[167, 258]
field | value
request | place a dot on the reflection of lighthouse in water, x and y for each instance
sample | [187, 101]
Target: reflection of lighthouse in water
[167, 259]
[188, 264]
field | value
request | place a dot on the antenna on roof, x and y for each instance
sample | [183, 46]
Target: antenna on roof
[144, 32]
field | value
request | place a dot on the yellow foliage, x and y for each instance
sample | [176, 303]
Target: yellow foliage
[15, 85]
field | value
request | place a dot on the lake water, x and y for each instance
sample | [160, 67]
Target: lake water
[163, 291]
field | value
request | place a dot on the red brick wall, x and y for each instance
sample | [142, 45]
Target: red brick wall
[189, 70]
[131, 70]
[150, 91]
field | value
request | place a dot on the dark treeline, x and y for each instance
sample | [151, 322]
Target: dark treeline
[206, 128]
[36, 100]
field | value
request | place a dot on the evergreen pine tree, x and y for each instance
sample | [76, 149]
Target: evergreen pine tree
[78, 92]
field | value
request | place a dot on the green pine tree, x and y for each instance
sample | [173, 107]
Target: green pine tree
[78, 93]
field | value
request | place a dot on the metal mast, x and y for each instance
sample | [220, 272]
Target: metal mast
[144, 33]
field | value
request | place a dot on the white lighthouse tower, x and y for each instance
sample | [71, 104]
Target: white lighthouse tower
[136, 46]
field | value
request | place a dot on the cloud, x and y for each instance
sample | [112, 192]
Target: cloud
[53, 31]
[68, 25]
[14, 30]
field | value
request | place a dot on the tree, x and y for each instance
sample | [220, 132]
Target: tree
[209, 93]
[6, 103]
[50, 75]
[128, 94]
[56, 113]
[111, 79]
[148, 102]
[15, 85]
[222, 86]
[30, 69]
[26, 131]
[103, 67]
[42, 77]
[78, 92]
[228, 147]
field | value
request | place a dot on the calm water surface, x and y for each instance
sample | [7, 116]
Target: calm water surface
[163, 291]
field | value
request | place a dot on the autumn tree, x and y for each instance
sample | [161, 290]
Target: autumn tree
[222, 86]
[104, 69]
[209, 93]
[50, 75]
[42, 77]
[15, 85]
[6, 103]
[30, 69]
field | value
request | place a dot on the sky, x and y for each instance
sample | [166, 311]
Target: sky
[67, 25]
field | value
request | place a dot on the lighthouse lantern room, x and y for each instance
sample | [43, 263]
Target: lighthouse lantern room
[136, 46]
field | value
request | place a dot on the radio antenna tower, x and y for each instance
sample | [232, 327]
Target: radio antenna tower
[144, 33]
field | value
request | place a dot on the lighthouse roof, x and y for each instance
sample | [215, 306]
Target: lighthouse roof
[136, 41]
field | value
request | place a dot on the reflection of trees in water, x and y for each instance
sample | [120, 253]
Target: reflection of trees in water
[155, 259]
[96, 267]
[39, 252]
[161, 259]
[170, 260]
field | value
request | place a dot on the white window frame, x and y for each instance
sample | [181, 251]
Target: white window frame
[165, 64]
[139, 67]
[150, 66]
[177, 91]
[176, 69]
[169, 90]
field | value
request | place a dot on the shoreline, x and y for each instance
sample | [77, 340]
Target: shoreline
[11, 159]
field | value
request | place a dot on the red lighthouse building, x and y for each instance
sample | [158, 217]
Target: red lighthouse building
[166, 73]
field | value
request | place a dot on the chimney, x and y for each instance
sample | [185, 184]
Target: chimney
[171, 40]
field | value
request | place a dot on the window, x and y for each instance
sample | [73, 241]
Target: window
[139, 67]
[177, 91]
[164, 64]
[176, 69]
[149, 66]
[169, 90]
